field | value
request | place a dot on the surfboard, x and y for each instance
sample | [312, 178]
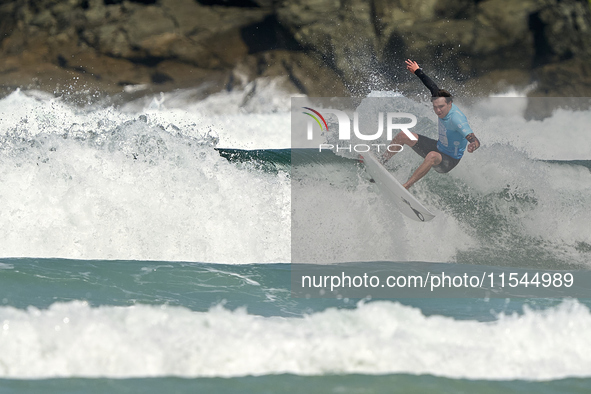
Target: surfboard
[394, 191]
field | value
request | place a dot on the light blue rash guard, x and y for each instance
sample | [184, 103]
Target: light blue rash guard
[453, 129]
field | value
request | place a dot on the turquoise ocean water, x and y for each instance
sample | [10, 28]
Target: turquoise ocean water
[129, 326]
[147, 248]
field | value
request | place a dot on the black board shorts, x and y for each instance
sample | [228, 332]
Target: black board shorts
[425, 145]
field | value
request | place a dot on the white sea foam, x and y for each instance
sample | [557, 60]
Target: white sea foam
[557, 137]
[256, 117]
[513, 91]
[500, 197]
[112, 185]
[341, 219]
[75, 340]
[144, 182]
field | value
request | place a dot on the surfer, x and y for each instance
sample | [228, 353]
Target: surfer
[455, 135]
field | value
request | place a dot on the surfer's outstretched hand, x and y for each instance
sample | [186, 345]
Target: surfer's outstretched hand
[411, 65]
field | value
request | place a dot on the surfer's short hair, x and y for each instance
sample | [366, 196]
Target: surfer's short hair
[443, 93]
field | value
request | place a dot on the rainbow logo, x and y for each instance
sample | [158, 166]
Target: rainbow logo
[315, 118]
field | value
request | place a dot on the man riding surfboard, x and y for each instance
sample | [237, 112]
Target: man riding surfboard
[455, 134]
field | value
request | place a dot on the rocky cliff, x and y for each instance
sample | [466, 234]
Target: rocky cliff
[319, 47]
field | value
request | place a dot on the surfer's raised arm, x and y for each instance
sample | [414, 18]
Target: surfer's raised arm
[414, 68]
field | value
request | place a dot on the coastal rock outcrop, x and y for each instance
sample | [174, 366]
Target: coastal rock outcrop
[318, 47]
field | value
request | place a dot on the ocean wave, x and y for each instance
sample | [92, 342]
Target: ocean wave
[75, 340]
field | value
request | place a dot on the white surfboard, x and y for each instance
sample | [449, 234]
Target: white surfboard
[394, 190]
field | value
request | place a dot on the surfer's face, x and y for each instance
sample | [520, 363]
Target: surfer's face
[441, 107]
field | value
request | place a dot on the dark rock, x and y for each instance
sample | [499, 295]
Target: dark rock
[498, 81]
[569, 78]
[321, 47]
[560, 85]
[455, 9]
[562, 30]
